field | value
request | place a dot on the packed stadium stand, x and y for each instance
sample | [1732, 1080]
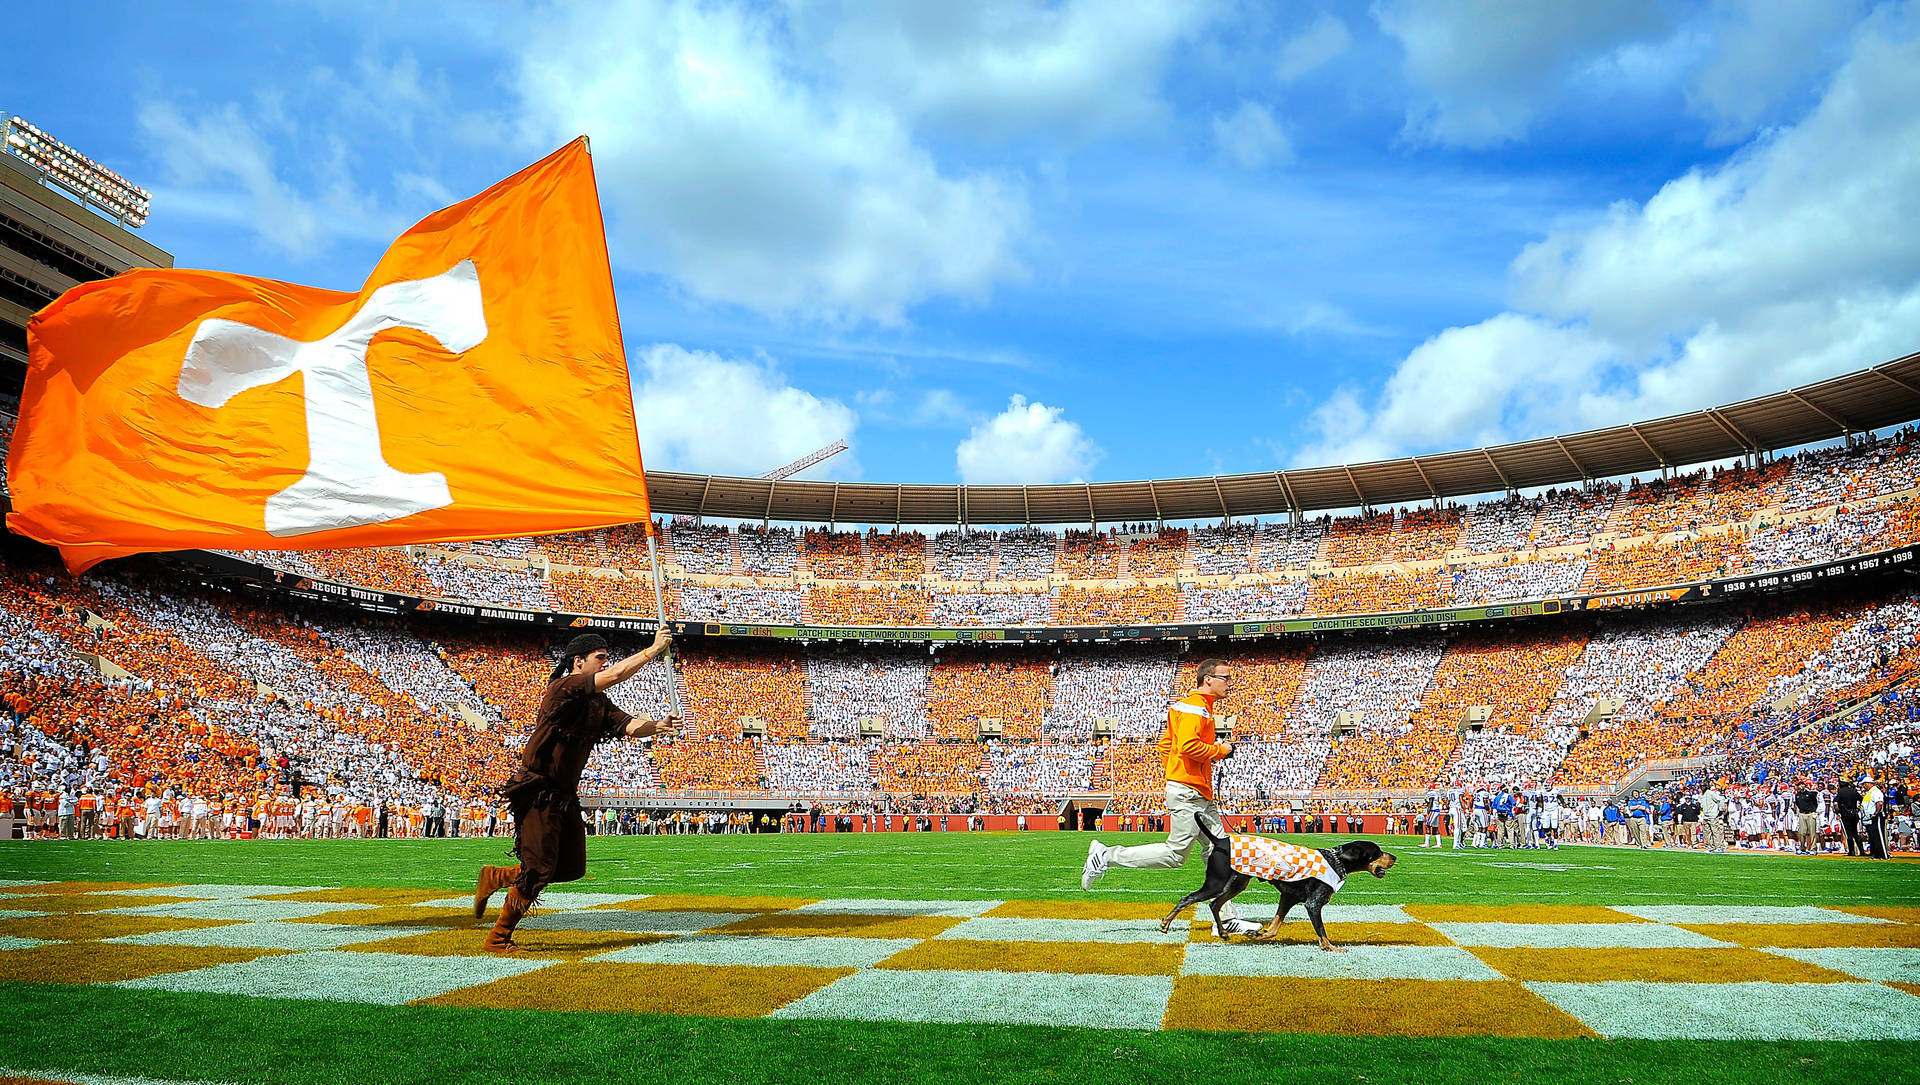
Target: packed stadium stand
[218, 687]
[150, 677]
[1819, 504]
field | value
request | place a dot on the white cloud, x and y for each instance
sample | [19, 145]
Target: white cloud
[1026, 443]
[1483, 69]
[222, 150]
[1793, 261]
[1461, 388]
[1325, 318]
[697, 411]
[1082, 67]
[736, 177]
[936, 408]
[376, 95]
[1251, 138]
[1822, 209]
[1766, 51]
[942, 407]
[428, 188]
[284, 163]
[1322, 41]
[1346, 433]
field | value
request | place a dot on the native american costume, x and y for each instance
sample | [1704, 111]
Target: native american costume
[550, 839]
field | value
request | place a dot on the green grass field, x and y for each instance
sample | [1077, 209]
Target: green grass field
[920, 866]
[647, 1022]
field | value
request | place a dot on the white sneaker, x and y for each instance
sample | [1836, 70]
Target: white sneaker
[1237, 926]
[1096, 864]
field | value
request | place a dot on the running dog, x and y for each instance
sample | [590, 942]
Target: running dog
[1308, 876]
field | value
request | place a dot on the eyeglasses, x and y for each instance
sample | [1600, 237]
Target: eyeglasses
[1221, 677]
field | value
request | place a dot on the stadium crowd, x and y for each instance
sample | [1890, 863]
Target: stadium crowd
[1817, 505]
[841, 605]
[1127, 688]
[964, 555]
[699, 548]
[238, 712]
[849, 687]
[772, 606]
[370, 712]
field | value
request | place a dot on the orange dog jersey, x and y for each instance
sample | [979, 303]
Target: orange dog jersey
[1277, 861]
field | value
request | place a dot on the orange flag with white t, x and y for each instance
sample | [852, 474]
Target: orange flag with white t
[475, 387]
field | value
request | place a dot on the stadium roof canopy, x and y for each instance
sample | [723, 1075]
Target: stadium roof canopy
[1871, 399]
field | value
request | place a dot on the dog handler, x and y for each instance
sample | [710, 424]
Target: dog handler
[549, 838]
[1189, 751]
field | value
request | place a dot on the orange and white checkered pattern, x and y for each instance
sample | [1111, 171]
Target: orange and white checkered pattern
[1805, 972]
[1274, 860]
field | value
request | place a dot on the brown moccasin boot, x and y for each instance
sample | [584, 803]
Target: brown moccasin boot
[492, 880]
[512, 910]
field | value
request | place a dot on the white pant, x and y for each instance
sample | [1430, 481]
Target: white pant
[1185, 806]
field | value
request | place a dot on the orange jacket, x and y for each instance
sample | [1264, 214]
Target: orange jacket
[1187, 745]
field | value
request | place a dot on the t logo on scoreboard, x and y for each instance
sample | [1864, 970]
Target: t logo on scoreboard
[348, 481]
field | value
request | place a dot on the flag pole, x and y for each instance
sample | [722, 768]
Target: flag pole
[660, 613]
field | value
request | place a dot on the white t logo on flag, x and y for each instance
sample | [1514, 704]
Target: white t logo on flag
[348, 482]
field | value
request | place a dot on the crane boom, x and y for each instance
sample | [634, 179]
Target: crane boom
[818, 455]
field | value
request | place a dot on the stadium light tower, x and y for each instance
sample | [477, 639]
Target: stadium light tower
[60, 166]
[818, 455]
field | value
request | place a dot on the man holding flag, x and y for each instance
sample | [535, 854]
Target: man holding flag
[474, 387]
[549, 837]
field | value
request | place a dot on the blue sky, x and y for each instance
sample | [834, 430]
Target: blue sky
[1042, 242]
